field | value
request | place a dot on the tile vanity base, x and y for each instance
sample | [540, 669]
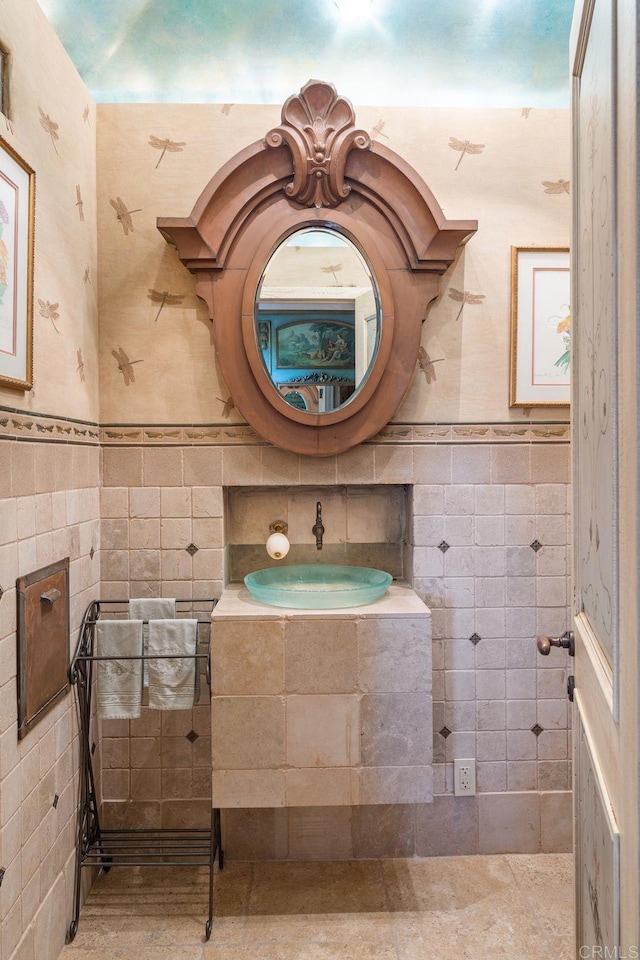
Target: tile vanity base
[321, 707]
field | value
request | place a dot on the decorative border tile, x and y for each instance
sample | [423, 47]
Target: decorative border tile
[16, 424]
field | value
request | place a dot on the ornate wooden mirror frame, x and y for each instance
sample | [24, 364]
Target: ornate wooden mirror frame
[317, 169]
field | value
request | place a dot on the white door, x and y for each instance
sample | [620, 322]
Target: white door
[604, 433]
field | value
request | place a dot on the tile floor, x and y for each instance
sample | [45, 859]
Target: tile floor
[485, 908]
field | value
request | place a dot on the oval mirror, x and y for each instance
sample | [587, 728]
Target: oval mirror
[317, 320]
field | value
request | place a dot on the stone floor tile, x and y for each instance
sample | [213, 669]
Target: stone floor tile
[546, 881]
[350, 886]
[404, 909]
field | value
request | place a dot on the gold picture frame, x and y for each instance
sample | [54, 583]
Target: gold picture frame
[17, 219]
[540, 366]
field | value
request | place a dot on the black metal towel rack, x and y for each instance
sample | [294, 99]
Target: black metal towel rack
[99, 847]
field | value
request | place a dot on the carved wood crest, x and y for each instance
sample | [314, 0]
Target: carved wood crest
[319, 128]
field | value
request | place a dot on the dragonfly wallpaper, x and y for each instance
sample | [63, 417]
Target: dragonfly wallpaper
[105, 172]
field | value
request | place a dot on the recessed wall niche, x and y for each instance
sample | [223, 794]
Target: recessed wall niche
[364, 526]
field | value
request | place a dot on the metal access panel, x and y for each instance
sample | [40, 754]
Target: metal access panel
[43, 642]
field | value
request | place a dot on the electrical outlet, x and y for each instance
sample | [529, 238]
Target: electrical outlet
[464, 777]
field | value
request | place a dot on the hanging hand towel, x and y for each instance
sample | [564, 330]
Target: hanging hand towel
[150, 608]
[119, 692]
[172, 681]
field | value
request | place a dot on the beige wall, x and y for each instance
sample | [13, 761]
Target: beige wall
[49, 500]
[502, 186]
[43, 81]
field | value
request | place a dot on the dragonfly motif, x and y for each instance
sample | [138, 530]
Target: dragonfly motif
[463, 296]
[166, 145]
[556, 186]
[164, 299]
[333, 268]
[123, 215]
[79, 202]
[51, 128]
[227, 406]
[377, 131]
[426, 364]
[86, 114]
[80, 367]
[50, 312]
[125, 365]
[464, 146]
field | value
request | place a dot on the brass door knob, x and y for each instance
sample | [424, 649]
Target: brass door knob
[566, 642]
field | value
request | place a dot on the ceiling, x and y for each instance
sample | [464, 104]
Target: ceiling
[504, 53]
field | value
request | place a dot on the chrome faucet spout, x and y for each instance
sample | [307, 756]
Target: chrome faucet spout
[318, 530]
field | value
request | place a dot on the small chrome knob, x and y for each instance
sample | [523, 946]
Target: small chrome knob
[565, 642]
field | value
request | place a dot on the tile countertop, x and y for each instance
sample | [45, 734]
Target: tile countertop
[400, 600]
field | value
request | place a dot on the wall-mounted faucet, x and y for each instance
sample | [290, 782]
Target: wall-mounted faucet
[318, 530]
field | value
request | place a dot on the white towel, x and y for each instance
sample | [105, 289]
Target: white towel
[119, 695]
[172, 681]
[150, 608]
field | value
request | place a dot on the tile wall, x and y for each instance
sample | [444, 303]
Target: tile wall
[49, 509]
[475, 511]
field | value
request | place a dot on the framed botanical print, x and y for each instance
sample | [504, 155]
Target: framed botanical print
[540, 327]
[17, 204]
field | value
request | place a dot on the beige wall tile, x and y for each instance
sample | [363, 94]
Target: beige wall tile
[143, 534]
[511, 463]
[393, 464]
[280, 466]
[233, 717]
[384, 830]
[305, 787]
[45, 467]
[175, 534]
[318, 470]
[323, 731]
[256, 833]
[320, 833]
[207, 501]
[248, 788]
[394, 655]
[144, 502]
[162, 466]
[175, 502]
[391, 784]
[144, 566]
[319, 660]
[396, 729]
[447, 827]
[356, 465]
[302, 514]
[114, 502]
[508, 823]
[550, 463]
[432, 464]
[247, 658]
[122, 467]
[6, 450]
[23, 469]
[240, 466]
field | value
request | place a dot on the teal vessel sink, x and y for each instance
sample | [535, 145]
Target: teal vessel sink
[323, 586]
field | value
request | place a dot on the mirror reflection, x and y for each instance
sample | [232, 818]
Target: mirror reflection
[317, 320]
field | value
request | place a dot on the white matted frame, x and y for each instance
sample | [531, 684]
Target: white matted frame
[17, 213]
[540, 327]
